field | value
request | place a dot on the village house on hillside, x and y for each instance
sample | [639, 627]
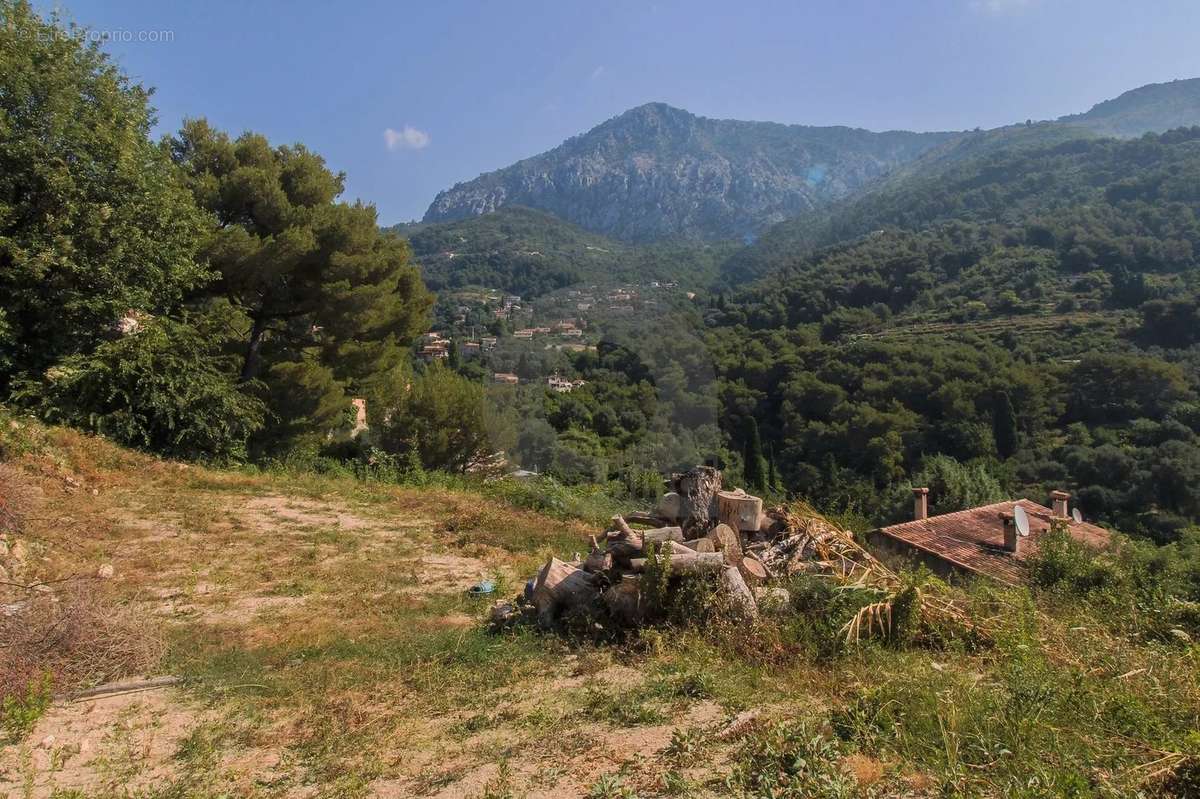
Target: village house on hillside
[983, 540]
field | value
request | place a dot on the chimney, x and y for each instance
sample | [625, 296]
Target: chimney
[1060, 503]
[920, 503]
[1012, 539]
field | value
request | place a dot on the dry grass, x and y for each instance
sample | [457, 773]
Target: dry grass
[78, 636]
[329, 651]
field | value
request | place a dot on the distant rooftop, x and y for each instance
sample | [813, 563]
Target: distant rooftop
[973, 540]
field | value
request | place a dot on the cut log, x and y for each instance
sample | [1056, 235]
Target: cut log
[697, 490]
[695, 563]
[652, 519]
[624, 601]
[670, 506]
[739, 510]
[560, 586]
[755, 568]
[624, 542]
[727, 541]
[598, 561]
[661, 535]
[731, 581]
[700, 545]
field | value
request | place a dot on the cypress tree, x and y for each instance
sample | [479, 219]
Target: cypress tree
[1004, 426]
[755, 469]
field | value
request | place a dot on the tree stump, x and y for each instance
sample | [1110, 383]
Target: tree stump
[697, 490]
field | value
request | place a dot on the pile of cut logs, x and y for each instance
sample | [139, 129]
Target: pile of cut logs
[723, 535]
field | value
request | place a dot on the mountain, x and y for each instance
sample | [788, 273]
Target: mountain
[1154, 108]
[530, 252]
[658, 172]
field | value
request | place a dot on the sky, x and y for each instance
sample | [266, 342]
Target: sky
[409, 98]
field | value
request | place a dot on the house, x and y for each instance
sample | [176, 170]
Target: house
[488, 342]
[525, 333]
[984, 540]
[435, 350]
[507, 378]
[470, 348]
[562, 385]
[574, 331]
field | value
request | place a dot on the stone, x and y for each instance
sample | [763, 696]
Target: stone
[105, 572]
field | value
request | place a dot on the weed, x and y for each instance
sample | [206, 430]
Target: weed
[790, 760]
[610, 786]
[20, 711]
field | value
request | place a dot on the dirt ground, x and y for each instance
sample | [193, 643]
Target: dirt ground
[327, 647]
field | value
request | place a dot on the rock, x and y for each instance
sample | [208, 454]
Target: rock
[742, 723]
[773, 596]
[105, 572]
[19, 551]
[47, 742]
[1181, 636]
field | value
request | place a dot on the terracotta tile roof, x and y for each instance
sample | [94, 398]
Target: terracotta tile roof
[974, 539]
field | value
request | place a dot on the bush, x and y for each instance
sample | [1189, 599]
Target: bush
[1064, 565]
[160, 389]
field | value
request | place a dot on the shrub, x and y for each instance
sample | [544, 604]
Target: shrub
[160, 389]
[1064, 565]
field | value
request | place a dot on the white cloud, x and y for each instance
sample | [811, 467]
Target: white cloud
[1002, 6]
[407, 138]
[597, 72]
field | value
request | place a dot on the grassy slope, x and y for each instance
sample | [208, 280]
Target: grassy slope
[330, 651]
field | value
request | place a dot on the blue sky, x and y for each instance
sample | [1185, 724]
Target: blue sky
[409, 98]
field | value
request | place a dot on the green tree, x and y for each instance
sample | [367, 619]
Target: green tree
[1004, 426]
[162, 388]
[319, 286]
[442, 417]
[93, 222]
[755, 467]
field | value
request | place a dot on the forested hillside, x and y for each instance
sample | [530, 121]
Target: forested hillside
[1041, 335]
[529, 252]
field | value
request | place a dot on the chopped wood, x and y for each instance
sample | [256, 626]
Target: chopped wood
[739, 510]
[700, 545]
[560, 586]
[731, 580]
[598, 561]
[697, 490]
[726, 540]
[755, 568]
[652, 519]
[695, 563]
[661, 535]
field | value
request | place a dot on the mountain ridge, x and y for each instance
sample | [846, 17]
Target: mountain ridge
[658, 172]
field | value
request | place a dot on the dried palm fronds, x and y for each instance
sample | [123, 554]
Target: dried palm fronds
[818, 538]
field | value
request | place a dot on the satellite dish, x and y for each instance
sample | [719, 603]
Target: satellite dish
[1021, 519]
[1077, 516]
